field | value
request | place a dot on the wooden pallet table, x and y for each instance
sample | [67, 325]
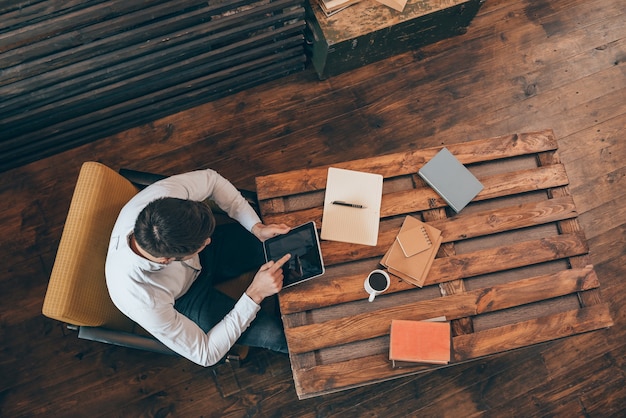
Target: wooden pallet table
[513, 270]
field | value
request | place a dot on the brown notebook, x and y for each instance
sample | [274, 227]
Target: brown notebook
[413, 251]
[419, 342]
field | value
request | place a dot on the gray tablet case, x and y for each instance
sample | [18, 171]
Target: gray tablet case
[451, 179]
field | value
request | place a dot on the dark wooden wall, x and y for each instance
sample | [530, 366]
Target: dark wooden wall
[522, 66]
[76, 71]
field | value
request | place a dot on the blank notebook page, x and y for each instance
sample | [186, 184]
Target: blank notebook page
[351, 224]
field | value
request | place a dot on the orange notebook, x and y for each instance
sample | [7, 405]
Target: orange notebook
[419, 342]
[413, 251]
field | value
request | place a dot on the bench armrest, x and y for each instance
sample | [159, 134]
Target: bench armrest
[124, 339]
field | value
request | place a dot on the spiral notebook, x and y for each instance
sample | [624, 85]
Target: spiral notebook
[413, 251]
[414, 240]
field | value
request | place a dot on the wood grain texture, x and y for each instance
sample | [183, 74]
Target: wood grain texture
[96, 68]
[469, 303]
[530, 222]
[522, 66]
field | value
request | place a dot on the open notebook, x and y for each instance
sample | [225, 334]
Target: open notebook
[352, 206]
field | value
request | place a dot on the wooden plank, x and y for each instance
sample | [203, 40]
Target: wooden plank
[498, 185]
[135, 23]
[150, 65]
[483, 223]
[18, 13]
[96, 68]
[505, 258]
[328, 378]
[70, 19]
[311, 179]
[425, 198]
[114, 89]
[374, 324]
[569, 225]
[334, 252]
[506, 219]
[531, 332]
[66, 135]
[364, 370]
[340, 288]
[461, 325]
[213, 86]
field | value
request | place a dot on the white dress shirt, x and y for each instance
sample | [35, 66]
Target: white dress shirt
[145, 291]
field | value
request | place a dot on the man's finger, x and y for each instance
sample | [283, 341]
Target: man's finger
[278, 264]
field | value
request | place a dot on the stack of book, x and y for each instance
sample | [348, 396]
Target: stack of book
[330, 7]
[413, 251]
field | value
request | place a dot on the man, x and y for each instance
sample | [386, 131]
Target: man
[165, 255]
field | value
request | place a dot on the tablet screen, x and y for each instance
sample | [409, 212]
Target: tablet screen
[302, 243]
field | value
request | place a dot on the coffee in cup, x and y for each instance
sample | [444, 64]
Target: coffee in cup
[376, 283]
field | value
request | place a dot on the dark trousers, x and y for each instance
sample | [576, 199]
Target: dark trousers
[232, 252]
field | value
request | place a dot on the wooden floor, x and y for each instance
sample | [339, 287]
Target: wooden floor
[522, 66]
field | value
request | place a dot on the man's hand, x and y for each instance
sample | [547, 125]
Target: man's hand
[268, 280]
[263, 232]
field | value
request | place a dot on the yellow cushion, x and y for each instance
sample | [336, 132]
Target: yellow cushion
[77, 292]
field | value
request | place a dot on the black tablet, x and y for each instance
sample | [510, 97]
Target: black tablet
[303, 243]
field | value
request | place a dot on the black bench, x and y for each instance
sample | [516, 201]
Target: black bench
[76, 71]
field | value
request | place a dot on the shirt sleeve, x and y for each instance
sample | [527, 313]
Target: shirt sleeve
[141, 299]
[184, 337]
[207, 184]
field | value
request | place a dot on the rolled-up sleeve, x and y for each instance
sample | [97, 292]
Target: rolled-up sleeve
[208, 184]
[184, 337]
[146, 291]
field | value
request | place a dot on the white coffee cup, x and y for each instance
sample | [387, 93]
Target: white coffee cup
[376, 283]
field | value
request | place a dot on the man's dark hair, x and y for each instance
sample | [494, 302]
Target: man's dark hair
[173, 228]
